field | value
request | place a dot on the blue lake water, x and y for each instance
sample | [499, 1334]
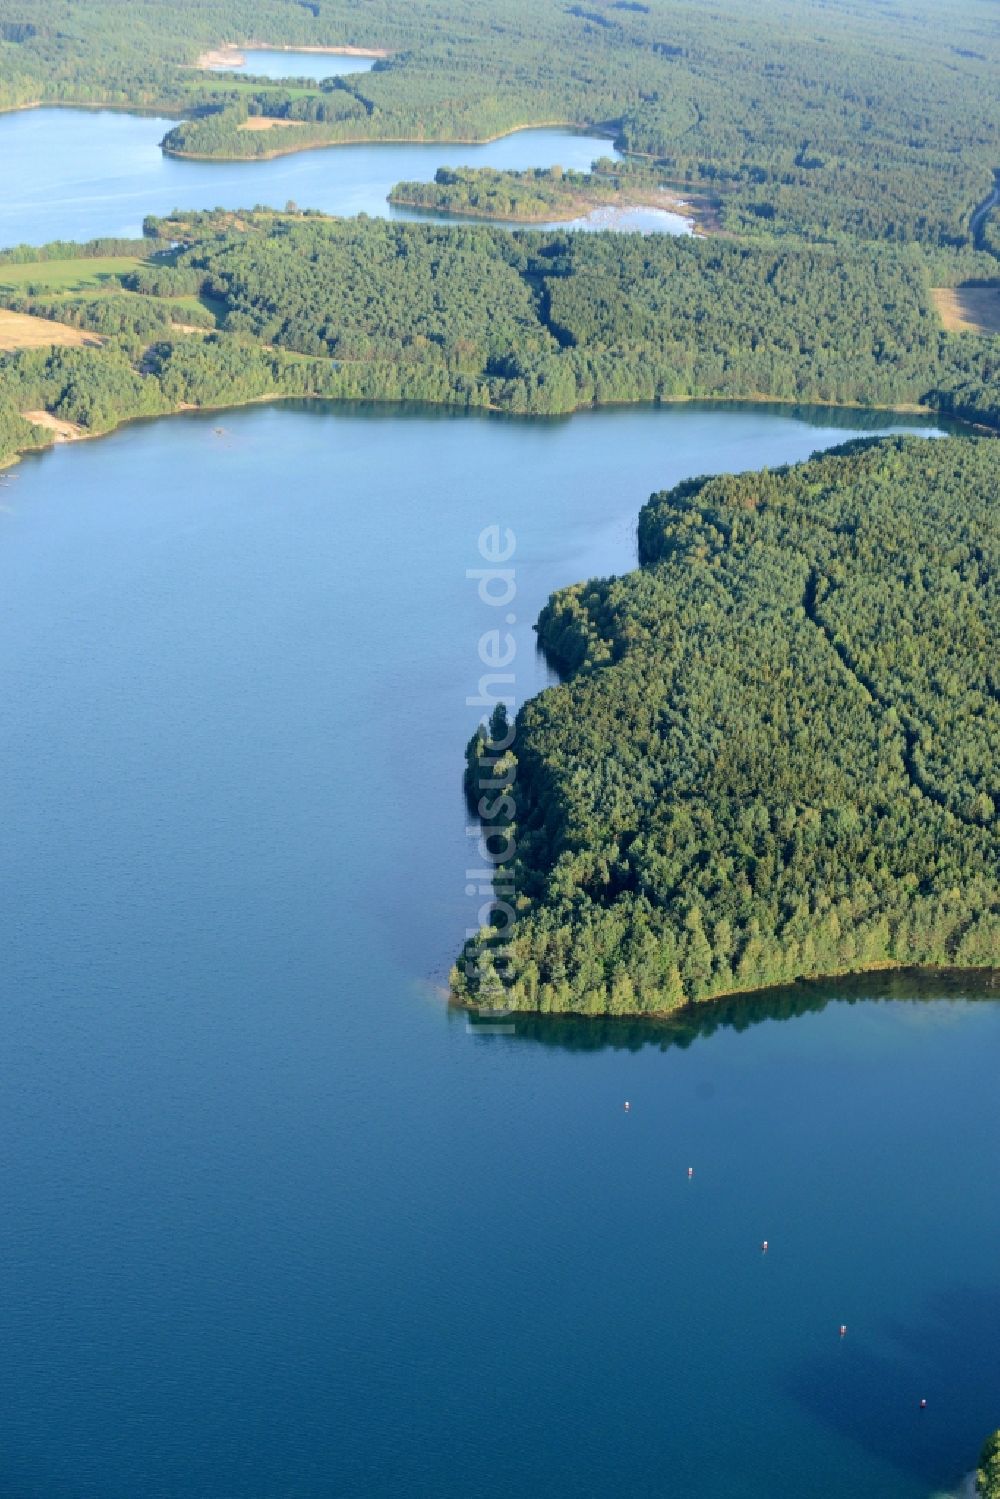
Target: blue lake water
[270, 62]
[78, 174]
[276, 1222]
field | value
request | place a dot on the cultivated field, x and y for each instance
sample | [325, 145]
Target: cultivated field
[20, 331]
[266, 122]
[968, 309]
[66, 275]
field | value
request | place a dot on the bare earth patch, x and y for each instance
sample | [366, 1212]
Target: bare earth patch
[18, 330]
[65, 431]
[265, 122]
[968, 309]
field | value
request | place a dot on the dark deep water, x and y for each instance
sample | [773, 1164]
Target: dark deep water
[277, 1223]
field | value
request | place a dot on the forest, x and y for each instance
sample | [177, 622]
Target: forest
[800, 684]
[806, 119]
[225, 308]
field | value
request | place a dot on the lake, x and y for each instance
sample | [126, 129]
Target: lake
[282, 62]
[275, 1221]
[78, 174]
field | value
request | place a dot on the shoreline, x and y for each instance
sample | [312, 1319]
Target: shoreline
[700, 1006]
[971, 427]
[389, 140]
[141, 111]
[173, 112]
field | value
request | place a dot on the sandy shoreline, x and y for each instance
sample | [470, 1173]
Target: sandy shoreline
[64, 431]
[231, 55]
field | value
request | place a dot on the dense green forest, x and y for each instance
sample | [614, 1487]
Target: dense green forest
[824, 121]
[550, 322]
[533, 196]
[774, 755]
[988, 1477]
[227, 308]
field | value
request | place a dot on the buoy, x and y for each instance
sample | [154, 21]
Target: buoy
[843, 1329]
[627, 1105]
[763, 1247]
[690, 1172]
[923, 1405]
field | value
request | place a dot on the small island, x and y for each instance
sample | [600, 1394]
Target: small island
[536, 196]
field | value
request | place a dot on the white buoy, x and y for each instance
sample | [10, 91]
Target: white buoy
[627, 1106]
[690, 1172]
[763, 1247]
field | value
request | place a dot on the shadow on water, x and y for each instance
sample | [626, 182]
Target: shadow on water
[742, 1012]
[948, 1355]
[841, 418]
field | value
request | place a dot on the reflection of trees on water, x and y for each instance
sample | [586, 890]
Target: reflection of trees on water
[742, 1012]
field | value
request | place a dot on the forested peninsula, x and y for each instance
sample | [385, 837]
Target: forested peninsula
[216, 309]
[822, 122]
[774, 752]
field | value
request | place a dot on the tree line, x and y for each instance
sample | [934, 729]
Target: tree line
[526, 322]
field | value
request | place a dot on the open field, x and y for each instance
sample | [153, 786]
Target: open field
[266, 122]
[968, 309]
[66, 275]
[194, 85]
[20, 331]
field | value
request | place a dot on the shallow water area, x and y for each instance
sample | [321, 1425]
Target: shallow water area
[275, 1219]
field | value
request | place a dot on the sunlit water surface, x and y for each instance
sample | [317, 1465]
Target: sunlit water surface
[79, 174]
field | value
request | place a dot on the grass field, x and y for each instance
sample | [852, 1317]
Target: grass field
[19, 331]
[266, 122]
[231, 83]
[66, 275]
[968, 309]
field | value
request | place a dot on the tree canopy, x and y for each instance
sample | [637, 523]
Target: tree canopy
[774, 753]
